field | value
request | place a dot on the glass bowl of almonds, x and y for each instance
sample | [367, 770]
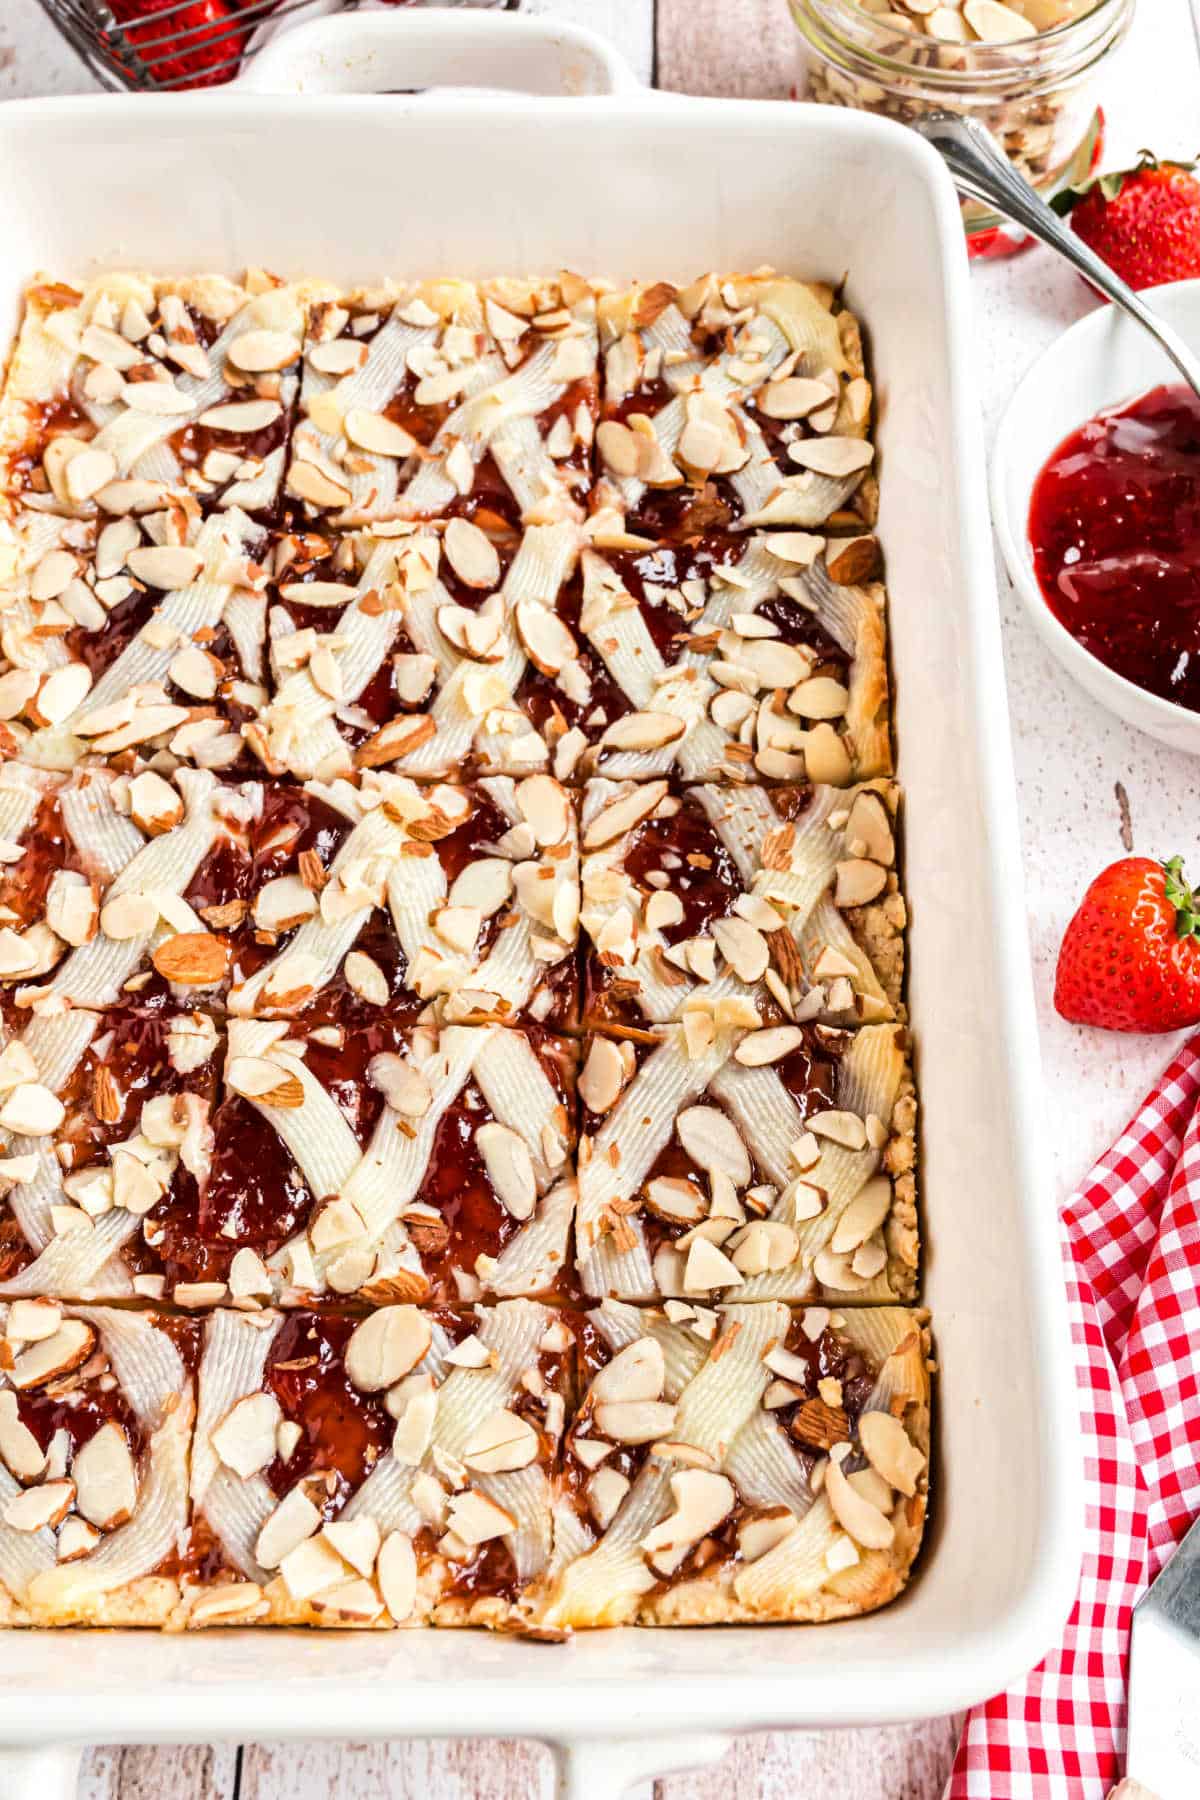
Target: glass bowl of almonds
[1026, 68]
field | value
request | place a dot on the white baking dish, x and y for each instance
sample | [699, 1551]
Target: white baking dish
[628, 185]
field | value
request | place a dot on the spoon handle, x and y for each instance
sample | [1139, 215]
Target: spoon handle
[982, 172]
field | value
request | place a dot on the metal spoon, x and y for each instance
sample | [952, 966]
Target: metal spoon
[981, 171]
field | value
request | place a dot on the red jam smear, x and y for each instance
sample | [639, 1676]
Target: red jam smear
[127, 1063]
[47, 849]
[472, 1222]
[829, 1357]
[1114, 524]
[81, 1411]
[344, 1432]
[700, 873]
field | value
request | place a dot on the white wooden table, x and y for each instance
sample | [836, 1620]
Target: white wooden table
[1089, 787]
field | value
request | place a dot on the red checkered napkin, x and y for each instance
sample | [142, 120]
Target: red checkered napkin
[1132, 1245]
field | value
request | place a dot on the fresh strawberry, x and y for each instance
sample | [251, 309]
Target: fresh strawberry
[190, 45]
[1130, 958]
[1143, 222]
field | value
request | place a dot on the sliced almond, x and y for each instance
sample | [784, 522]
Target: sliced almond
[707, 1268]
[792, 398]
[244, 417]
[638, 1372]
[474, 1519]
[702, 1500]
[675, 1199]
[166, 566]
[245, 1438]
[76, 1538]
[29, 1321]
[255, 1078]
[376, 433]
[602, 1075]
[622, 815]
[606, 1490]
[744, 948]
[618, 448]
[307, 482]
[341, 356]
[192, 959]
[85, 472]
[63, 692]
[32, 1110]
[869, 829]
[634, 1421]
[503, 1441]
[713, 1142]
[387, 1345]
[840, 1127]
[544, 806]
[56, 1355]
[770, 1046]
[294, 1520]
[819, 698]
[128, 916]
[643, 731]
[856, 1515]
[38, 1507]
[262, 352]
[826, 757]
[545, 638]
[851, 562]
[764, 1247]
[157, 399]
[890, 1451]
[154, 805]
[402, 1084]
[355, 1540]
[22, 1454]
[396, 1573]
[756, 1536]
[310, 1568]
[365, 978]
[996, 23]
[858, 882]
[510, 1168]
[864, 1215]
[837, 457]
[105, 1478]
[471, 554]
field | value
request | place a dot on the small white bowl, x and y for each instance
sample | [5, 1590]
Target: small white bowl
[1102, 361]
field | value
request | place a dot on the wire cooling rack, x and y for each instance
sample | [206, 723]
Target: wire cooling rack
[153, 46]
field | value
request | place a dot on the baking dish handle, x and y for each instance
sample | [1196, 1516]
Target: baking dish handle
[404, 52]
[40, 1771]
[605, 1768]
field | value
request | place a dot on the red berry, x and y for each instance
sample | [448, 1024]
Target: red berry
[1130, 958]
[191, 45]
[1144, 222]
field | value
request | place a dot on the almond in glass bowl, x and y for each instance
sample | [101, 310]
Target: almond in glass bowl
[1026, 68]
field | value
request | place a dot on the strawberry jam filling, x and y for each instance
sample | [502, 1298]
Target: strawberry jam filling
[682, 855]
[126, 1064]
[46, 848]
[195, 443]
[79, 1408]
[829, 1357]
[1115, 529]
[343, 1432]
[471, 1219]
[62, 417]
